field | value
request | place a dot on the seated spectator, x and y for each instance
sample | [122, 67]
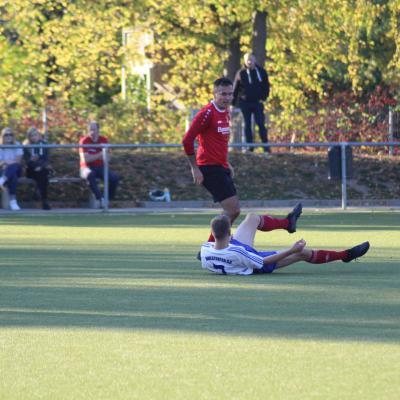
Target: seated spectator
[37, 164]
[92, 164]
[10, 166]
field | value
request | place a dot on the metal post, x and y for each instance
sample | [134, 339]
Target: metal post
[44, 124]
[237, 129]
[125, 34]
[253, 128]
[123, 82]
[106, 176]
[390, 131]
[242, 132]
[148, 88]
[344, 179]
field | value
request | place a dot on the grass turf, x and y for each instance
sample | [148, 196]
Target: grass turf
[117, 307]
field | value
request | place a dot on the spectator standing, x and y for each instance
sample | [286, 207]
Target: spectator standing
[92, 163]
[251, 88]
[10, 166]
[37, 164]
[210, 166]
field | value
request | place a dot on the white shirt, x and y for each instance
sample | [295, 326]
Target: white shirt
[233, 260]
[11, 154]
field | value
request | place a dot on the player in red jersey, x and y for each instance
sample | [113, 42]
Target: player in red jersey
[210, 165]
[92, 164]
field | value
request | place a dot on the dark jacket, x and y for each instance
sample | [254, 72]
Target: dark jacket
[43, 154]
[253, 88]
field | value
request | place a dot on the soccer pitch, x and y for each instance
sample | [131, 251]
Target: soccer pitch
[117, 307]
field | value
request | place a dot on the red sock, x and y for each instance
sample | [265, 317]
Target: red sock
[268, 223]
[325, 256]
[211, 238]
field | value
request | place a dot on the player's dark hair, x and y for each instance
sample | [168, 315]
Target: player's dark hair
[222, 82]
[220, 226]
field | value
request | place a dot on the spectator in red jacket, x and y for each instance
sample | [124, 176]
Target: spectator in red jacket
[92, 164]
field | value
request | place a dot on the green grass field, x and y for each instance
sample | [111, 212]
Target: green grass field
[117, 307]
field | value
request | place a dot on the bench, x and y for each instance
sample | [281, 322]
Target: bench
[5, 198]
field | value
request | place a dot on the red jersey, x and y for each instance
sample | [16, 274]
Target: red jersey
[94, 150]
[212, 127]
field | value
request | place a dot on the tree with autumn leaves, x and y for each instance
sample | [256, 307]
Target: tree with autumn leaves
[68, 54]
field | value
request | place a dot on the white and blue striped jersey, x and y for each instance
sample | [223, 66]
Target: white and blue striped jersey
[236, 259]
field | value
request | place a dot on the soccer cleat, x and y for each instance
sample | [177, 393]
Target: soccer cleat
[198, 257]
[14, 205]
[356, 252]
[293, 216]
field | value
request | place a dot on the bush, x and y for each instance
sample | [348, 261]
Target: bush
[126, 122]
[120, 121]
[341, 117]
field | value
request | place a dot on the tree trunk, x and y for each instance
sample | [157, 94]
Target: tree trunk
[232, 63]
[259, 40]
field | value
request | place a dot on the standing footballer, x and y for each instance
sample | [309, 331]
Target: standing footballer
[210, 165]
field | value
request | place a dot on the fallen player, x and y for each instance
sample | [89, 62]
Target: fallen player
[235, 255]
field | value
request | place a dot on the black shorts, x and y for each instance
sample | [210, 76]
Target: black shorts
[218, 181]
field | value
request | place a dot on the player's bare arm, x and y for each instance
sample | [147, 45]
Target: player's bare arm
[296, 248]
[196, 173]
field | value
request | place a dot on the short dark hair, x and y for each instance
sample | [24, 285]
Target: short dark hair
[222, 82]
[31, 131]
[220, 226]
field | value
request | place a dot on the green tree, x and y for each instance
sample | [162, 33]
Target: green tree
[72, 49]
[200, 41]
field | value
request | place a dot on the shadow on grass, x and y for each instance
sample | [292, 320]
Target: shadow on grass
[110, 220]
[136, 290]
[333, 221]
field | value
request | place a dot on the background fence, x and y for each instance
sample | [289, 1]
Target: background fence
[339, 157]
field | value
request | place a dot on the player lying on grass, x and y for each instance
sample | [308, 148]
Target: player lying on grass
[234, 255]
[269, 223]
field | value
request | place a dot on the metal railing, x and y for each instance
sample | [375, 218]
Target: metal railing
[105, 149]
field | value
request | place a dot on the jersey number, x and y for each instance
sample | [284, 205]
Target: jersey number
[220, 267]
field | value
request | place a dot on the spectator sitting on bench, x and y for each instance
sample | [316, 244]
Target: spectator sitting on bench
[92, 164]
[37, 164]
[10, 166]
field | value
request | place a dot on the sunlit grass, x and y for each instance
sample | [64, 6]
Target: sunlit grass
[117, 307]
